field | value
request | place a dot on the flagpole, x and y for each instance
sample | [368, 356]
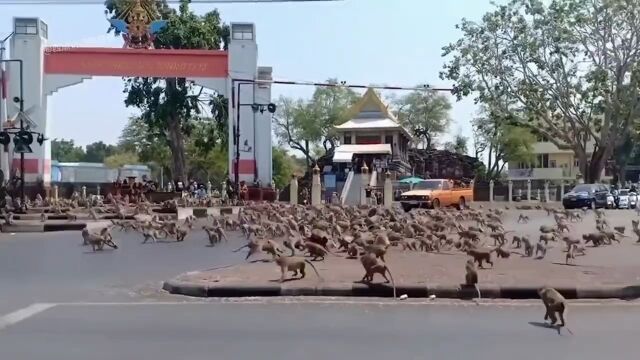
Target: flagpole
[4, 155]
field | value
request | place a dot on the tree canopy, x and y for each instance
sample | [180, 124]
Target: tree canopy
[171, 107]
[305, 125]
[426, 113]
[568, 69]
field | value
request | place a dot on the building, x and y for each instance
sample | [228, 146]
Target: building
[94, 173]
[372, 136]
[551, 163]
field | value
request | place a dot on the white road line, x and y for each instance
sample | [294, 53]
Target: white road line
[23, 314]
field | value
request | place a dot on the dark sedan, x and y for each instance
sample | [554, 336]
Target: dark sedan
[586, 195]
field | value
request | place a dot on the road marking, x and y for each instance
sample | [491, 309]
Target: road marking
[23, 314]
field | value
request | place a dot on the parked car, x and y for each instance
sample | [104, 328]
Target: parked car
[588, 195]
[626, 198]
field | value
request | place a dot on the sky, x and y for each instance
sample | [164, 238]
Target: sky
[391, 42]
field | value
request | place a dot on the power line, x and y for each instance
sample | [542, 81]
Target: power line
[101, 2]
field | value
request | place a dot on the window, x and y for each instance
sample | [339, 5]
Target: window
[543, 161]
[242, 32]
[445, 185]
[347, 139]
[576, 163]
[552, 164]
[44, 30]
[388, 139]
[26, 27]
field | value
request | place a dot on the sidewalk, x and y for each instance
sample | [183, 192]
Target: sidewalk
[420, 274]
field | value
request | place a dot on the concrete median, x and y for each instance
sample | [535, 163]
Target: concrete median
[386, 290]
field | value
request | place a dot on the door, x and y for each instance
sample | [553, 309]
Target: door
[601, 193]
[445, 194]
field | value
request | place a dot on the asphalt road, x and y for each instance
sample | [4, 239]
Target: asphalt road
[54, 267]
[318, 331]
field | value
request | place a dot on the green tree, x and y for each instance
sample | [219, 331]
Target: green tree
[283, 167]
[501, 142]
[569, 69]
[426, 113]
[120, 159]
[172, 106]
[98, 151]
[458, 145]
[304, 125]
[66, 151]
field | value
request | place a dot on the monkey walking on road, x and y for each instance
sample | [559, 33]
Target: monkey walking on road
[554, 303]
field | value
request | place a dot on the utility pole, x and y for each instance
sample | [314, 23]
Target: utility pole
[4, 156]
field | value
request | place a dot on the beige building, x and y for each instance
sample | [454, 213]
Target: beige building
[551, 164]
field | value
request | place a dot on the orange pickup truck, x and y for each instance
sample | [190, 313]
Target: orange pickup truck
[434, 193]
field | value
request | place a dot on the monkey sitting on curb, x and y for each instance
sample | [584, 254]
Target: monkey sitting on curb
[372, 266]
[471, 276]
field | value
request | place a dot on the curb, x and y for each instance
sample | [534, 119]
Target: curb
[385, 290]
[201, 212]
[38, 228]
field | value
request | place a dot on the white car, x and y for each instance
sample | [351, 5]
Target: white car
[623, 199]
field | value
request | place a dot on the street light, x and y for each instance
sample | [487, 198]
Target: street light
[270, 107]
[20, 101]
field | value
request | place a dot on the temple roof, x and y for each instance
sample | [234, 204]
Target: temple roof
[372, 114]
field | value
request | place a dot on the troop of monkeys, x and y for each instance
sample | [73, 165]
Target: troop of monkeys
[366, 233]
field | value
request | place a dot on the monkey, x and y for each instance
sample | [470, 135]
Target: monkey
[149, 234]
[8, 218]
[254, 247]
[635, 223]
[96, 241]
[501, 253]
[373, 265]
[554, 303]
[481, 255]
[562, 226]
[271, 247]
[570, 241]
[528, 247]
[517, 240]
[378, 250]
[93, 214]
[213, 236]
[570, 254]
[471, 276]
[523, 219]
[468, 234]
[596, 238]
[181, 233]
[546, 229]
[352, 251]
[499, 238]
[494, 227]
[221, 234]
[295, 264]
[540, 248]
[409, 244]
[546, 237]
[43, 216]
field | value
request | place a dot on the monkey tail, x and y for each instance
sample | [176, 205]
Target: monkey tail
[314, 268]
[393, 283]
[240, 248]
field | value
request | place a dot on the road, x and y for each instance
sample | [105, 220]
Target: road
[59, 300]
[317, 331]
[54, 267]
